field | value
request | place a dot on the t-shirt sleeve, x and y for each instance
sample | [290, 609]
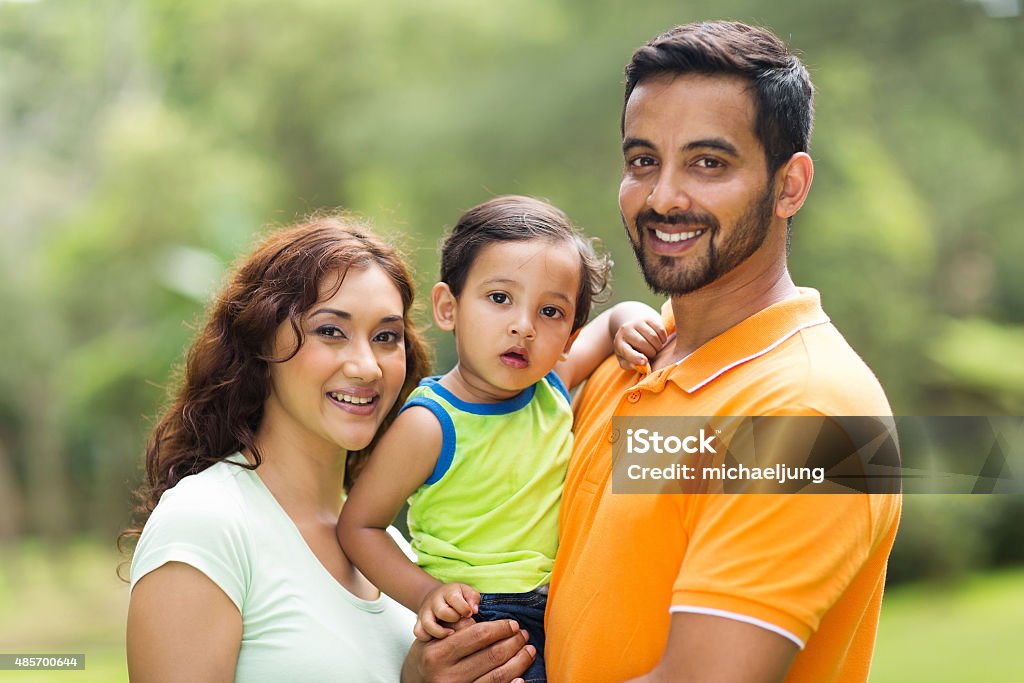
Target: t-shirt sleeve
[202, 527]
[777, 561]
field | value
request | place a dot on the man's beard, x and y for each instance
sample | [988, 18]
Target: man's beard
[665, 275]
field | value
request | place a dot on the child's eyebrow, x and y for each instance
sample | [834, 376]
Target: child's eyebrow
[500, 281]
[512, 281]
[560, 295]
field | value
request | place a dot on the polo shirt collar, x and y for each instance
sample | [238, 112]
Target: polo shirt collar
[745, 341]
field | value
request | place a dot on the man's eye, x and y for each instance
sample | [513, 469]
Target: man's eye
[550, 312]
[498, 297]
[642, 161]
[706, 162]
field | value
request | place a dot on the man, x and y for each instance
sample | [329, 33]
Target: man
[716, 127]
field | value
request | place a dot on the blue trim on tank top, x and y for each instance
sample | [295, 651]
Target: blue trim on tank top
[447, 455]
[511, 405]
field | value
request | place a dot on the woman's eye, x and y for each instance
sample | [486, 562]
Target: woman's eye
[498, 297]
[388, 337]
[330, 331]
[550, 312]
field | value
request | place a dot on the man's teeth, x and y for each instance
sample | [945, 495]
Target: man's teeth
[677, 236]
[345, 398]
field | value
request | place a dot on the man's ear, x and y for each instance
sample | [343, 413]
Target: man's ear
[569, 343]
[795, 182]
[443, 302]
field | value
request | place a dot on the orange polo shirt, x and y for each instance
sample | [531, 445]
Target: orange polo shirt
[809, 567]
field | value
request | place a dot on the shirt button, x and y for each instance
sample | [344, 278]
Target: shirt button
[613, 436]
[633, 396]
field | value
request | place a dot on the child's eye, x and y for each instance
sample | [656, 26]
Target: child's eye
[551, 312]
[330, 331]
[498, 297]
[387, 337]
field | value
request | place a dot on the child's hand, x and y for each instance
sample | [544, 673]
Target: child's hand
[447, 603]
[639, 341]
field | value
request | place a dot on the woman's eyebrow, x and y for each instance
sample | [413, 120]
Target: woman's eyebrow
[345, 315]
[335, 312]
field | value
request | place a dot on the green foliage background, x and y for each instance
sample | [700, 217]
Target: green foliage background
[144, 143]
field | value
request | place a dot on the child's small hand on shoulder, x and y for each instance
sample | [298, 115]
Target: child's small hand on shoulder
[445, 604]
[638, 341]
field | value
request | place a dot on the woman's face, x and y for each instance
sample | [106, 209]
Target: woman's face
[350, 368]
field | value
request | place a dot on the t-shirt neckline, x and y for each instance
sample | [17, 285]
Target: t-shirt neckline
[375, 605]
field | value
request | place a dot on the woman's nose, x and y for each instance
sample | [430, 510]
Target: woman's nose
[361, 363]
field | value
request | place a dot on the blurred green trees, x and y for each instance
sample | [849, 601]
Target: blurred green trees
[144, 143]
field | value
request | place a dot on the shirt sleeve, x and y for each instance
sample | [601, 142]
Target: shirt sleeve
[777, 561]
[202, 527]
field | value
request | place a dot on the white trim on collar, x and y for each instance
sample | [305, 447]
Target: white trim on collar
[730, 366]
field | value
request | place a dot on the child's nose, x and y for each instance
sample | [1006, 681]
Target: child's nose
[522, 326]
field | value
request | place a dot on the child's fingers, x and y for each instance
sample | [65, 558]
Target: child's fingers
[653, 338]
[632, 349]
[643, 339]
[472, 598]
[445, 612]
[428, 622]
[456, 602]
[420, 633]
[628, 358]
[659, 329]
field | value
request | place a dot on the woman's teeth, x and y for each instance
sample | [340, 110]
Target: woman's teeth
[345, 398]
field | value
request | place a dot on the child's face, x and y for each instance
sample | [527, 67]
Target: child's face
[514, 316]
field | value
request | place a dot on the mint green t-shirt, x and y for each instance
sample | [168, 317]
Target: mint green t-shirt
[298, 622]
[488, 514]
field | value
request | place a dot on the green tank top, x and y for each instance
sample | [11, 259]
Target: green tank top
[488, 514]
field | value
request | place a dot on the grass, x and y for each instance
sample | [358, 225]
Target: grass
[61, 601]
[969, 631]
[69, 600]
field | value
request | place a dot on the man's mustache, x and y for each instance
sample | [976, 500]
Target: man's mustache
[690, 220]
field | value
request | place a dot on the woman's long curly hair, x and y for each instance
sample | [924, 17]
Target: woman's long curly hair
[217, 405]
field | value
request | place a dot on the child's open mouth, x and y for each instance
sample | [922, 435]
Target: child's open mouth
[515, 358]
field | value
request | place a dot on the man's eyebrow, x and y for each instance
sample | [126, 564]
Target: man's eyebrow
[721, 144]
[631, 142]
[345, 315]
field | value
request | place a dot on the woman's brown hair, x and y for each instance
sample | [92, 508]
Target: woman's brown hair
[217, 405]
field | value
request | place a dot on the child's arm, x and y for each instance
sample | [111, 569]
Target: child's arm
[401, 462]
[632, 330]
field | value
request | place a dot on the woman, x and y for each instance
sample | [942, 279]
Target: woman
[237, 574]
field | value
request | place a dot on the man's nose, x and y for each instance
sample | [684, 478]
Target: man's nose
[668, 194]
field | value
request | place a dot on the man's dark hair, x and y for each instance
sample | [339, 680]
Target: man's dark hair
[782, 89]
[514, 218]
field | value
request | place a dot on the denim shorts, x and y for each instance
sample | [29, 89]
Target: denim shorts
[528, 610]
